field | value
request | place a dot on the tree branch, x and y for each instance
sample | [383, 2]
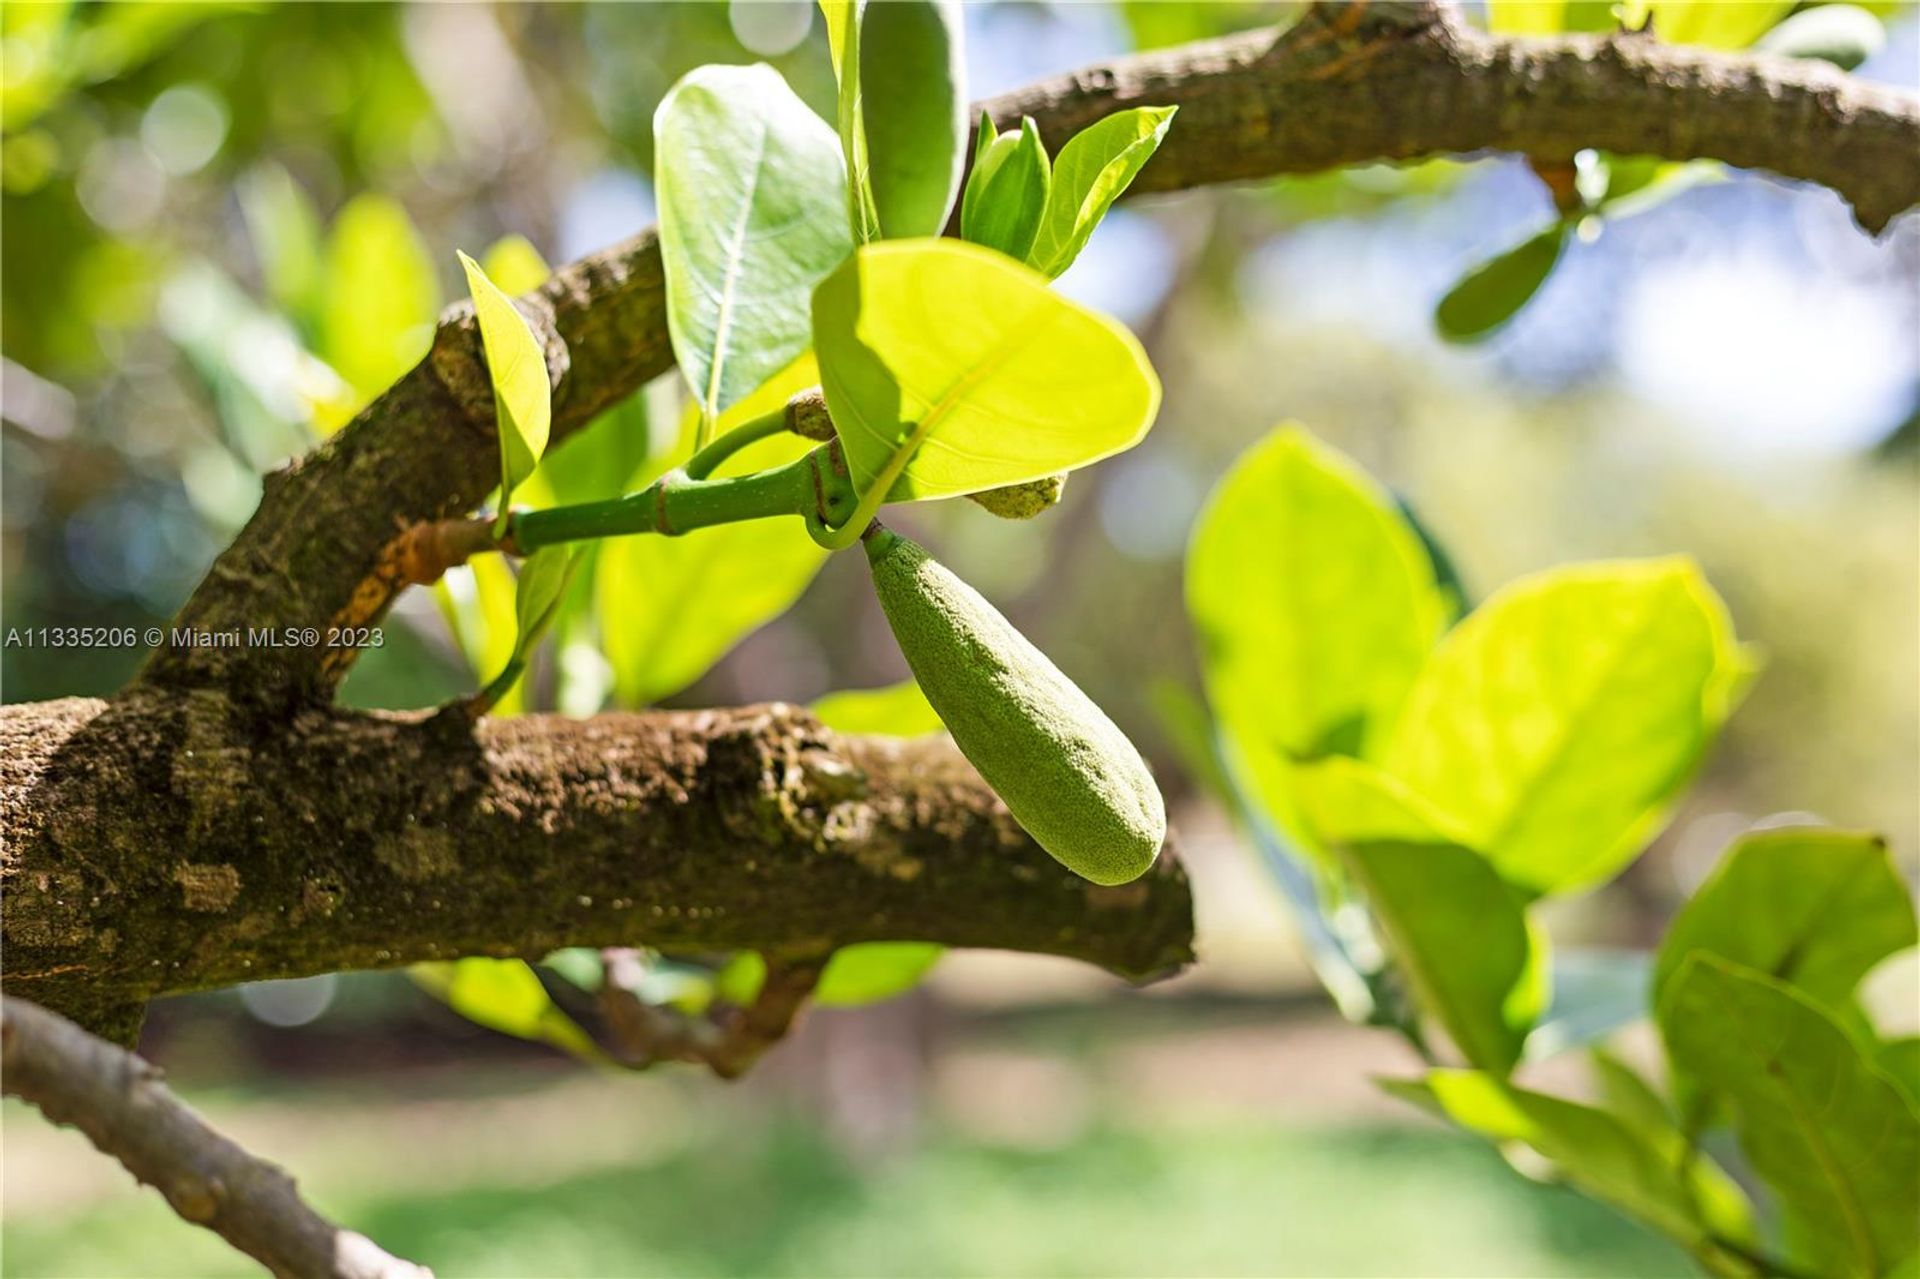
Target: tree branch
[1345, 85]
[340, 840]
[118, 1101]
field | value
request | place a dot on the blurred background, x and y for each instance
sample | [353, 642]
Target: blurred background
[227, 226]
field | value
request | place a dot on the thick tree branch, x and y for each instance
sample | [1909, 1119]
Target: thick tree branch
[118, 1101]
[1345, 85]
[168, 842]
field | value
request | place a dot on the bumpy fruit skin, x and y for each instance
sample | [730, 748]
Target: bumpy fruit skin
[1068, 775]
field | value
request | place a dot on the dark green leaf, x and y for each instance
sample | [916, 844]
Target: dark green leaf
[1493, 292]
[1814, 907]
[1821, 1124]
[1461, 939]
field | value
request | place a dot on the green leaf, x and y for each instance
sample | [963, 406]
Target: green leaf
[1844, 34]
[1460, 938]
[913, 112]
[381, 298]
[748, 180]
[503, 995]
[1828, 1131]
[1345, 800]
[1493, 292]
[285, 231]
[542, 581]
[1813, 907]
[1092, 170]
[1312, 599]
[1548, 17]
[517, 367]
[477, 601]
[897, 710]
[1716, 24]
[1608, 1157]
[670, 607]
[843, 49]
[1007, 191]
[515, 265]
[869, 972]
[950, 369]
[1555, 726]
[1899, 1060]
[1628, 1095]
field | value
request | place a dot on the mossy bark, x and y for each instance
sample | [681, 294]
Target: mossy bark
[166, 842]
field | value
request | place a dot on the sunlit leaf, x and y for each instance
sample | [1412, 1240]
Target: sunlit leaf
[517, 368]
[869, 972]
[913, 104]
[1716, 24]
[843, 49]
[748, 180]
[1555, 726]
[897, 710]
[1314, 602]
[1648, 1175]
[1830, 1133]
[503, 995]
[1844, 34]
[1493, 292]
[1090, 173]
[1815, 908]
[950, 369]
[541, 582]
[515, 265]
[380, 295]
[1548, 17]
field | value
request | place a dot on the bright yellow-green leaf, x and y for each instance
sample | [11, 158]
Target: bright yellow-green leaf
[869, 972]
[749, 184]
[515, 265]
[1649, 1176]
[1811, 906]
[522, 396]
[1345, 800]
[1314, 602]
[897, 710]
[380, 295]
[1549, 17]
[1825, 1128]
[951, 369]
[1555, 726]
[670, 607]
[1095, 166]
[503, 995]
[1716, 24]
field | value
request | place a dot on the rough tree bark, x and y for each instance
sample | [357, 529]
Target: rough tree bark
[218, 822]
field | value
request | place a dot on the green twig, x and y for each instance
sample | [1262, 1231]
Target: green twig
[702, 464]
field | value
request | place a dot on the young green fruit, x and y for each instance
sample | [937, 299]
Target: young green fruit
[1068, 775]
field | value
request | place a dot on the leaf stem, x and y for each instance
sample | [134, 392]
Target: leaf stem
[814, 486]
[702, 464]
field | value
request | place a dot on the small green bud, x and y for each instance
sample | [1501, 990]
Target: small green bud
[1022, 501]
[1067, 774]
